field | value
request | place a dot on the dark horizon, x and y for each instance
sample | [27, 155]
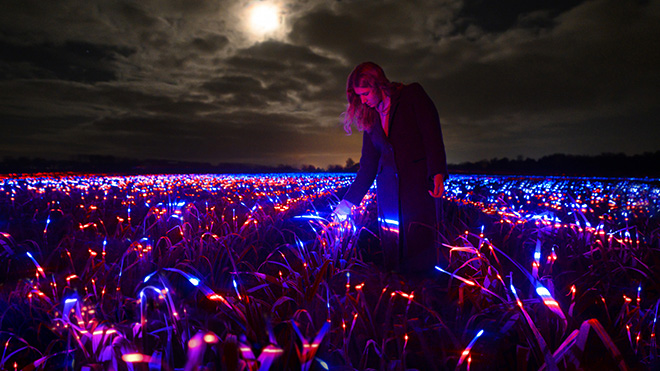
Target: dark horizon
[646, 165]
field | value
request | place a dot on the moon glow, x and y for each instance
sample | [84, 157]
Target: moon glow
[264, 18]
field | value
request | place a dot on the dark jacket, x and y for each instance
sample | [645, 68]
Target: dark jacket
[403, 165]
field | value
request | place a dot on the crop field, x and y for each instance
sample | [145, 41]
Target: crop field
[251, 272]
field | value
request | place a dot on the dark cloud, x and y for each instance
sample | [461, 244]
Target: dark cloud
[353, 36]
[210, 44]
[187, 81]
[238, 91]
[72, 61]
[500, 16]
[584, 66]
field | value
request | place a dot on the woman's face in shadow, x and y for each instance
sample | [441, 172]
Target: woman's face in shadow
[368, 96]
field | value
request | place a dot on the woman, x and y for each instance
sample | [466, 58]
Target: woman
[403, 150]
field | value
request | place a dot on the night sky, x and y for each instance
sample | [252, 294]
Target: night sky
[196, 80]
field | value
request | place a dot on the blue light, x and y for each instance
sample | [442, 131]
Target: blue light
[543, 292]
[147, 278]
[323, 364]
[312, 217]
[389, 221]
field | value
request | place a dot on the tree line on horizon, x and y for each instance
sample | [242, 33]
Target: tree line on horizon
[646, 165]
[603, 165]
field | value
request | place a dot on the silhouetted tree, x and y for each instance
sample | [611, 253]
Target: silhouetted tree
[309, 169]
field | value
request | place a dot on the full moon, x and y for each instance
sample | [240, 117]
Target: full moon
[264, 18]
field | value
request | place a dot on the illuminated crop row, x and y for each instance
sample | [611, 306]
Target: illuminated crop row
[581, 203]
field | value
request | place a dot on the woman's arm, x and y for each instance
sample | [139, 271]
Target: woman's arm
[367, 174]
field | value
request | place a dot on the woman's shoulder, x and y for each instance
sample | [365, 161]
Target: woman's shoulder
[414, 87]
[412, 91]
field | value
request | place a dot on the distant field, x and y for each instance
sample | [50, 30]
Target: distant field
[249, 272]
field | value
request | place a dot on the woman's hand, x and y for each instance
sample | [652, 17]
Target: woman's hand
[343, 210]
[438, 186]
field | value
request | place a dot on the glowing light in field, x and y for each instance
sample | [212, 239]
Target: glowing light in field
[40, 270]
[135, 358]
[467, 350]
[273, 350]
[515, 294]
[194, 343]
[310, 217]
[549, 301]
[390, 225]
[537, 260]
[323, 364]
[236, 289]
[210, 338]
[147, 278]
[468, 282]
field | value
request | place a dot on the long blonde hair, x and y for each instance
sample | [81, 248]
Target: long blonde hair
[367, 74]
